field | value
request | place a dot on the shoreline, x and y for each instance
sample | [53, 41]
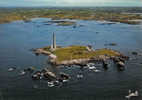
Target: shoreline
[68, 23]
[100, 57]
[76, 14]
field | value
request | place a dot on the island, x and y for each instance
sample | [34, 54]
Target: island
[99, 14]
[78, 55]
[60, 22]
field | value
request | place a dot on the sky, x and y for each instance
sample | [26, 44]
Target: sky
[78, 3]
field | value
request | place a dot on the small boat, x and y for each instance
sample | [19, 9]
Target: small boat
[96, 70]
[79, 76]
[56, 83]
[135, 94]
[65, 81]
[22, 73]
[11, 69]
[92, 67]
[51, 84]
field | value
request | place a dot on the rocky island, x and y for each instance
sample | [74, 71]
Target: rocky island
[78, 55]
[9, 15]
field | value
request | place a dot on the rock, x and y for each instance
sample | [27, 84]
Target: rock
[97, 32]
[52, 56]
[116, 60]
[89, 48]
[48, 24]
[81, 65]
[31, 69]
[41, 51]
[135, 53]
[120, 65]
[119, 59]
[110, 44]
[105, 64]
[107, 23]
[125, 57]
[60, 80]
[73, 62]
[103, 57]
[122, 59]
[81, 25]
[64, 76]
[49, 75]
[61, 22]
[37, 75]
[44, 70]
[74, 26]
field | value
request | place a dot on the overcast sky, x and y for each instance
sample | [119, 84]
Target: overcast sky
[70, 3]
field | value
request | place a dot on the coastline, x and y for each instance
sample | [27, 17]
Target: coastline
[77, 14]
[98, 55]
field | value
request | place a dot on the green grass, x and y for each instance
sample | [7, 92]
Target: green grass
[79, 52]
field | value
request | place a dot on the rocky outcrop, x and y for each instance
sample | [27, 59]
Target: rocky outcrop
[99, 56]
[83, 61]
[41, 51]
[73, 62]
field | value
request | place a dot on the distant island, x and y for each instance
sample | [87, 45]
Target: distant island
[106, 14]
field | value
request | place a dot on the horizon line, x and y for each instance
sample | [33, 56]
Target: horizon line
[63, 6]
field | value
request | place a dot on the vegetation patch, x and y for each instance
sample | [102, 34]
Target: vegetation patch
[79, 52]
[8, 15]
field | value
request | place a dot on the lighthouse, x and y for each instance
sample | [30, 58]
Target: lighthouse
[53, 46]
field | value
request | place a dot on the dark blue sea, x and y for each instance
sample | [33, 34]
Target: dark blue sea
[18, 38]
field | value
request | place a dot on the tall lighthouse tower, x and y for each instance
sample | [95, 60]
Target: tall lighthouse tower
[53, 46]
